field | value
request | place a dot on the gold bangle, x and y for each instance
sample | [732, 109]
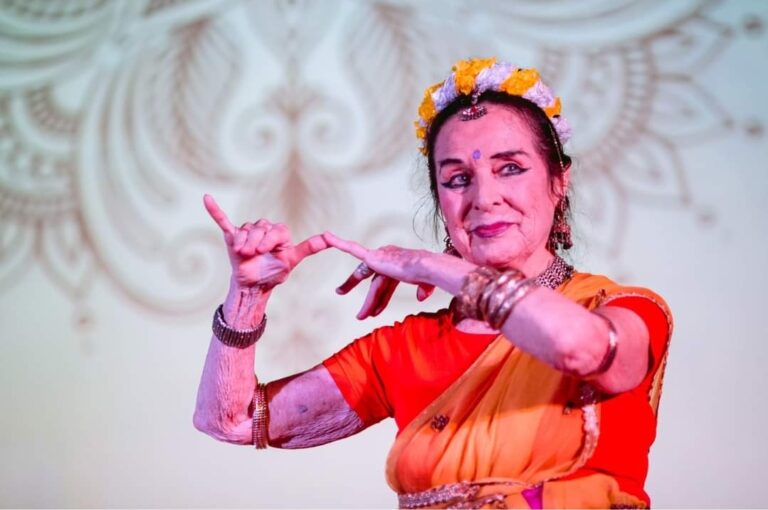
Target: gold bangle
[610, 351]
[471, 292]
[260, 417]
[513, 295]
[492, 295]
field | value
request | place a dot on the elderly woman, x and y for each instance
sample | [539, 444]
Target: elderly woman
[537, 388]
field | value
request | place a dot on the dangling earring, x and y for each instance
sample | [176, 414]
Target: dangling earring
[450, 249]
[560, 235]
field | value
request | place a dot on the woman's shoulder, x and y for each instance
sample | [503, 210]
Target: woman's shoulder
[595, 290]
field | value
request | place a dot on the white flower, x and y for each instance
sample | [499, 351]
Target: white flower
[540, 94]
[562, 127]
[445, 94]
[492, 77]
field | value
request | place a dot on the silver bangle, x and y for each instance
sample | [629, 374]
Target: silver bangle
[239, 338]
[610, 351]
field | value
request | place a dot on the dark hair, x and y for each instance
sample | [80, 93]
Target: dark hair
[547, 141]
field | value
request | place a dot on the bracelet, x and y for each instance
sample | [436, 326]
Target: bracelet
[610, 352]
[472, 291]
[239, 338]
[510, 295]
[260, 431]
[490, 295]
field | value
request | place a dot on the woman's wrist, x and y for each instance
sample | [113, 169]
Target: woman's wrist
[446, 272]
[244, 306]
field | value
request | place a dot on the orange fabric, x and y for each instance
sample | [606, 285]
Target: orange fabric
[399, 370]
[506, 430]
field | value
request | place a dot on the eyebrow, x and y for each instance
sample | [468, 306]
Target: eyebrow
[449, 161]
[509, 154]
[499, 155]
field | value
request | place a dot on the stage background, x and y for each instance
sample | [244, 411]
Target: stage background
[116, 116]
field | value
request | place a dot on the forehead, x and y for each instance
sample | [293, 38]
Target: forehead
[501, 129]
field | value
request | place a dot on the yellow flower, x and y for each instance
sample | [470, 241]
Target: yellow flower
[465, 72]
[520, 81]
[553, 110]
[421, 132]
[427, 108]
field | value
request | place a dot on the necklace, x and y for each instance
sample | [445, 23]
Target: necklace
[555, 274]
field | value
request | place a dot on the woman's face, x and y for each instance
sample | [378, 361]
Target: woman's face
[494, 189]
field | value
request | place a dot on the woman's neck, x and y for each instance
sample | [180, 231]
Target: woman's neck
[535, 264]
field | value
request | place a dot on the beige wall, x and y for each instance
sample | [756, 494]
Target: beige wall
[115, 117]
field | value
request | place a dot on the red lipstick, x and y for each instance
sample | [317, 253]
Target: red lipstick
[491, 230]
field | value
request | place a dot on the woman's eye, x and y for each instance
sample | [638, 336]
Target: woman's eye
[512, 169]
[457, 181]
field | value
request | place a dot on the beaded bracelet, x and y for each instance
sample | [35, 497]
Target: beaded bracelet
[239, 338]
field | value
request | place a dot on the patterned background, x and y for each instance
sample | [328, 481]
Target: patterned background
[115, 117]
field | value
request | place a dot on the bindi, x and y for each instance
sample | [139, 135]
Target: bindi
[476, 154]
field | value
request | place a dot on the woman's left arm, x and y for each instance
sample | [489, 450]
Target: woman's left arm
[545, 324]
[561, 333]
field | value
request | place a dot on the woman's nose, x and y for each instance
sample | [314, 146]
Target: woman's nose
[486, 193]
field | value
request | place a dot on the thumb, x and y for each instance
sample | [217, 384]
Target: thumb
[307, 247]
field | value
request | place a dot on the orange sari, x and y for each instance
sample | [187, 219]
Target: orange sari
[509, 424]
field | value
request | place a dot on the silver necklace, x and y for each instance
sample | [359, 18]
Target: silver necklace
[555, 274]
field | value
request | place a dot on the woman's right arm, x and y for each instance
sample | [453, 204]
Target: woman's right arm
[306, 409]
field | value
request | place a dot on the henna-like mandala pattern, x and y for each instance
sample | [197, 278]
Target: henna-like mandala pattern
[116, 115]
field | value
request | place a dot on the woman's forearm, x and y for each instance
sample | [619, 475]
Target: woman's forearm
[227, 383]
[562, 333]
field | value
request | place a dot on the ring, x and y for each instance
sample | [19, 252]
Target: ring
[363, 271]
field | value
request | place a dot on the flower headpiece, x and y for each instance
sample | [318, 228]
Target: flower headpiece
[475, 76]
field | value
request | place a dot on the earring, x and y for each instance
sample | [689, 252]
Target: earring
[560, 235]
[450, 249]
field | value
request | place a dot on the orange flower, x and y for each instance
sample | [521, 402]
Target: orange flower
[421, 132]
[553, 110]
[465, 72]
[520, 81]
[427, 108]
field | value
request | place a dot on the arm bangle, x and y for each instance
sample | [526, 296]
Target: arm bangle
[260, 417]
[513, 293]
[610, 352]
[472, 291]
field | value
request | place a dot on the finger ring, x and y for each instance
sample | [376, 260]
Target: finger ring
[363, 271]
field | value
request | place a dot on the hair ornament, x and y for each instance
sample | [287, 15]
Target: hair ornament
[473, 77]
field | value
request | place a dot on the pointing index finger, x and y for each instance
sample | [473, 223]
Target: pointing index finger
[356, 250]
[218, 215]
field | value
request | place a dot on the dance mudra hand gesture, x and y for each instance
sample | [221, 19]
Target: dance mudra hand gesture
[261, 253]
[390, 265]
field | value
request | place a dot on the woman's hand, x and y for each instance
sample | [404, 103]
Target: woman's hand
[261, 253]
[391, 265]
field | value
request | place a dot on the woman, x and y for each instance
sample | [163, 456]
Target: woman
[537, 388]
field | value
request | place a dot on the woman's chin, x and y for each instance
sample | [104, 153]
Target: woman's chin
[484, 256]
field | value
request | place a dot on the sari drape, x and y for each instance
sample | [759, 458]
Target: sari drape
[509, 422]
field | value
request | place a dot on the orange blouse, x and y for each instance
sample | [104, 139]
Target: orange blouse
[397, 371]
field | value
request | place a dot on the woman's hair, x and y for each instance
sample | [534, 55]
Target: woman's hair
[546, 141]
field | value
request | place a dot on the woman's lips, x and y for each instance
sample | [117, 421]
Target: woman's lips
[491, 230]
